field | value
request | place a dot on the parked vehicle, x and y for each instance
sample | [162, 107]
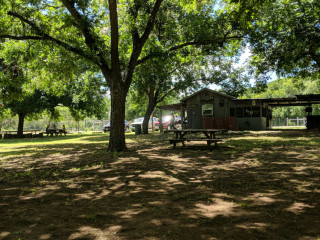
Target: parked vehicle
[166, 121]
[107, 127]
[139, 121]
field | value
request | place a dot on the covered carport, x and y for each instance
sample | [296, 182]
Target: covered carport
[172, 107]
[313, 121]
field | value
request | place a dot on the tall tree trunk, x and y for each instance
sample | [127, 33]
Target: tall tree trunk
[151, 105]
[20, 125]
[117, 142]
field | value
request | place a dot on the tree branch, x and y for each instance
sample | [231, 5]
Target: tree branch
[137, 48]
[166, 94]
[44, 36]
[150, 23]
[85, 27]
[193, 43]
[114, 36]
[8, 36]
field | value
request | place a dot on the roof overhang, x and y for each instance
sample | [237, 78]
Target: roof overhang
[172, 107]
[209, 90]
[299, 100]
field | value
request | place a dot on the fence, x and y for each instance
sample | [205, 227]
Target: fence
[86, 125]
[289, 122]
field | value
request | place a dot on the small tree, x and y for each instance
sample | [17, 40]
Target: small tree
[28, 107]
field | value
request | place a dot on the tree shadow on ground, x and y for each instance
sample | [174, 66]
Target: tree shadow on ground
[245, 189]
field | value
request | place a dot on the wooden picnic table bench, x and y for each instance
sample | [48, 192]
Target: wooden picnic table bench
[209, 141]
[210, 136]
[55, 132]
[26, 134]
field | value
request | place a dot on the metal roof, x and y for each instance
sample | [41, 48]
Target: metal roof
[298, 100]
[207, 89]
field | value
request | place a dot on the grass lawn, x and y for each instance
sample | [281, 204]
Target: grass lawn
[257, 185]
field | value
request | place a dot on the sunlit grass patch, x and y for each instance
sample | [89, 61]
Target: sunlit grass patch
[32, 145]
[248, 142]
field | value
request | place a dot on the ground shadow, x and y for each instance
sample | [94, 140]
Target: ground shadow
[248, 188]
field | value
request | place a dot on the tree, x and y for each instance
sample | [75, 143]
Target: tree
[160, 78]
[285, 37]
[30, 86]
[83, 96]
[116, 36]
[233, 81]
[30, 105]
[4, 116]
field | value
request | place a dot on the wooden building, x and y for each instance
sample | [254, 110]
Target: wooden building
[209, 109]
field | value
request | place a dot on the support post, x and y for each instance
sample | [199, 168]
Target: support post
[160, 121]
[182, 117]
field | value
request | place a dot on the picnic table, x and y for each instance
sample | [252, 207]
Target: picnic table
[55, 132]
[182, 135]
[8, 134]
[26, 133]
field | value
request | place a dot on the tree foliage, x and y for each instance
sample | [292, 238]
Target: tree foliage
[285, 36]
[30, 86]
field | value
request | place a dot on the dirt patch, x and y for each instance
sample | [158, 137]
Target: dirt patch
[261, 185]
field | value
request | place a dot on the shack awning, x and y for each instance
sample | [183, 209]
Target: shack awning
[298, 100]
[172, 107]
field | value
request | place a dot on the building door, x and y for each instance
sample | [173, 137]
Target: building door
[194, 119]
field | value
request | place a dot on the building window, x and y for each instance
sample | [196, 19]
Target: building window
[255, 111]
[207, 109]
[232, 112]
[221, 103]
[239, 112]
[247, 112]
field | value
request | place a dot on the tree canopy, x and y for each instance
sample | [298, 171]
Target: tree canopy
[29, 86]
[285, 37]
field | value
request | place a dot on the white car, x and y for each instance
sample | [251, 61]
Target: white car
[139, 121]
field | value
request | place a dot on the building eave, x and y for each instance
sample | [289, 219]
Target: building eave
[207, 89]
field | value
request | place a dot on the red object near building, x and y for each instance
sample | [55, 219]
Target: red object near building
[229, 123]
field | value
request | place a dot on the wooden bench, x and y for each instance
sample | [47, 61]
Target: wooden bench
[209, 141]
